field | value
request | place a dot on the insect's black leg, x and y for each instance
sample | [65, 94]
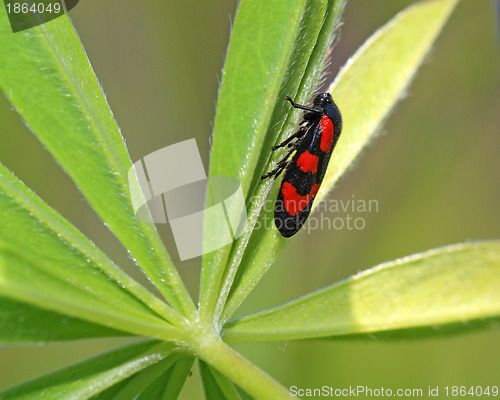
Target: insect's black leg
[280, 166]
[295, 105]
[276, 172]
[297, 135]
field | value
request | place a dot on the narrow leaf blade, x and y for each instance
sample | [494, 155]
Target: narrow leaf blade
[28, 280]
[76, 126]
[24, 324]
[140, 386]
[91, 377]
[377, 76]
[265, 241]
[29, 224]
[217, 386]
[148, 382]
[450, 285]
[366, 90]
[261, 46]
[176, 378]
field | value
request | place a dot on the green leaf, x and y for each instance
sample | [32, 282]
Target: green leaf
[217, 386]
[29, 224]
[449, 285]
[259, 53]
[261, 47]
[163, 380]
[22, 324]
[47, 263]
[149, 382]
[378, 75]
[91, 377]
[176, 377]
[366, 90]
[289, 41]
[45, 73]
[30, 280]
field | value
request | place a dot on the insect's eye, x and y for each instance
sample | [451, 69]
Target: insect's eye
[321, 99]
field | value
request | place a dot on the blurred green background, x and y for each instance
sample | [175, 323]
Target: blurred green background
[433, 170]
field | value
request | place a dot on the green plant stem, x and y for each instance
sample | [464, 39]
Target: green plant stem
[246, 375]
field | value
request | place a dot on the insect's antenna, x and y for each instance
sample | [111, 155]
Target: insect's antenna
[295, 105]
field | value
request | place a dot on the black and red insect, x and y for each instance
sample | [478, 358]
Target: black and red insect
[305, 163]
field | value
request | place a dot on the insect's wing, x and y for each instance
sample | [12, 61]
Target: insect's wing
[300, 183]
[292, 210]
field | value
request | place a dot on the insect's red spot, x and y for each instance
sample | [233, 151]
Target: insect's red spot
[294, 202]
[308, 162]
[326, 126]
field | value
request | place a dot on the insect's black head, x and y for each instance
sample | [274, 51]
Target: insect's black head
[322, 99]
[324, 102]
